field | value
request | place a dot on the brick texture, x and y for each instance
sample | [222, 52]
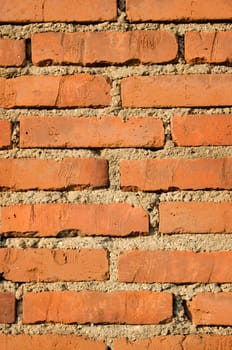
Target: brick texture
[208, 47]
[128, 307]
[12, 52]
[211, 309]
[166, 174]
[7, 307]
[70, 173]
[195, 217]
[70, 132]
[26, 11]
[5, 134]
[48, 342]
[117, 219]
[187, 342]
[190, 130]
[174, 266]
[80, 90]
[177, 90]
[104, 47]
[180, 10]
[47, 265]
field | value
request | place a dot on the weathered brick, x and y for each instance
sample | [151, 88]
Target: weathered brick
[208, 47]
[7, 307]
[34, 265]
[72, 132]
[195, 217]
[180, 10]
[173, 173]
[104, 47]
[190, 130]
[211, 309]
[159, 343]
[118, 219]
[40, 174]
[26, 11]
[146, 266]
[187, 342]
[80, 90]
[12, 52]
[128, 307]
[48, 342]
[201, 90]
[5, 133]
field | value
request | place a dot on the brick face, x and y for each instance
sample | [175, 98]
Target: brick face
[33, 265]
[40, 220]
[5, 134]
[81, 90]
[126, 307]
[7, 307]
[71, 132]
[24, 174]
[104, 48]
[177, 91]
[12, 52]
[27, 11]
[165, 174]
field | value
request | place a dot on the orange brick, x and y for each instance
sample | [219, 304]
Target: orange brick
[159, 343]
[48, 342]
[208, 47]
[80, 90]
[69, 132]
[104, 47]
[5, 134]
[146, 266]
[7, 307]
[40, 174]
[12, 52]
[201, 90]
[190, 130]
[186, 342]
[128, 307]
[195, 217]
[168, 173]
[26, 11]
[211, 309]
[180, 10]
[34, 265]
[118, 219]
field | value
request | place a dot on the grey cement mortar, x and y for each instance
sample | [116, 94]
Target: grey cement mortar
[180, 324]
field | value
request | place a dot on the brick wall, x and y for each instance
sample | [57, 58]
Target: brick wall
[115, 175]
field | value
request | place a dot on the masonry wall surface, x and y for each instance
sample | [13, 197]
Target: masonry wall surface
[115, 174]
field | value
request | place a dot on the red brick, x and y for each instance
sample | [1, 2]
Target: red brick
[190, 130]
[34, 265]
[174, 266]
[211, 309]
[48, 342]
[5, 134]
[70, 173]
[69, 132]
[195, 217]
[202, 90]
[80, 90]
[180, 10]
[127, 307]
[133, 47]
[7, 307]
[208, 47]
[186, 342]
[173, 173]
[12, 52]
[156, 343]
[118, 219]
[26, 11]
